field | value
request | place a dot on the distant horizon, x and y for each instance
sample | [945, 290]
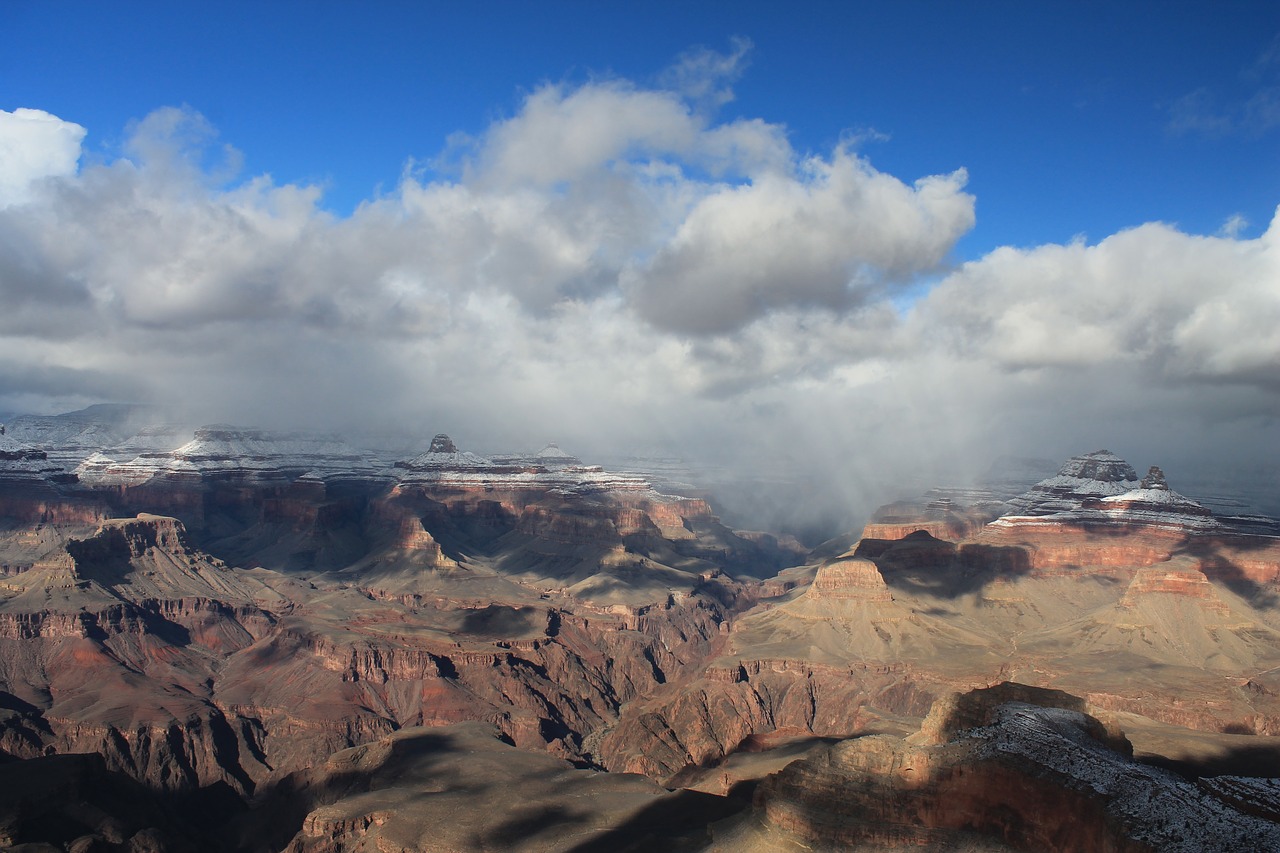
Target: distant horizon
[735, 493]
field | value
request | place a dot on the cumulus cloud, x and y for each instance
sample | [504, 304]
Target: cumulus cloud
[831, 236]
[1176, 306]
[614, 268]
[34, 145]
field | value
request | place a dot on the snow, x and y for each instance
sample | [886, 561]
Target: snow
[227, 449]
[11, 446]
[456, 461]
[222, 448]
[574, 479]
[1069, 499]
[1156, 806]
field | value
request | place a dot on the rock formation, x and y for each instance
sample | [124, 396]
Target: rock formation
[227, 619]
[1007, 768]
[1102, 584]
[295, 599]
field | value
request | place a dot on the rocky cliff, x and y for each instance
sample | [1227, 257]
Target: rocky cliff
[1007, 768]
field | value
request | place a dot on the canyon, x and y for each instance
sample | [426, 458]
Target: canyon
[231, 638]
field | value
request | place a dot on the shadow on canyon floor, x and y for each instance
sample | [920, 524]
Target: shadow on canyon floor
[1258, 761]
[678, 822]
[923, 565]
[59, 799]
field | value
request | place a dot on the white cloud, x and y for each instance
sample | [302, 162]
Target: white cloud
[34, 145]
[564, 135]
[831, 235]
[1172, 304]
[614, 268]
[705, 77]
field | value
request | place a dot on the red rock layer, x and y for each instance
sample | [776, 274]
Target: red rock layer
[852, 579]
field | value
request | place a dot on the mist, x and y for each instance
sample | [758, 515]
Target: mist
[615, 269]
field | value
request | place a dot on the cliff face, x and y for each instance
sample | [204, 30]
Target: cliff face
[347, 599]
[539, 614]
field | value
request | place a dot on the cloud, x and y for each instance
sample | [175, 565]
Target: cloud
[1253, 110]
[1175, 306]
[832, 235]
[705, 77]
[1198, 111]
[34, 145]
[615, 268]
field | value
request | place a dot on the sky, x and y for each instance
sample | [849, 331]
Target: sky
[864, 242]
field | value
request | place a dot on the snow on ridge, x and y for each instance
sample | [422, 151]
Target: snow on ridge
[1159, 807]
[551, 468]
[1085, 485]
[220, 444]
[553, 453]
[459, 460]
[227, 449]
[1101, 487]
[1153, 496]
[161, 438]
[150, 453]
[1100, 465]
[12, 447]
[1084, 478]
[579, 480]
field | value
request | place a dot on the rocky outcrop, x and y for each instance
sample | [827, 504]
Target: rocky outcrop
[1096, 513]
[185, 672]
[1100, 491]
[697, 723]
[850, 578]
[1113, 608]
[1081, 479]
[938, 514]
[1009, 768]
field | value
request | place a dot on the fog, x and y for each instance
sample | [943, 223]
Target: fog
[613, 268]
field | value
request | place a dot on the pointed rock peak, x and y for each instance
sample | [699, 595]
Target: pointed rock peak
[553, 455]
[442, 444]
[1100, 465]
[1155, 480]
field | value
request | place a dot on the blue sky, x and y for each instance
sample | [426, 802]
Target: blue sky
[1064, 114]
[868, 240]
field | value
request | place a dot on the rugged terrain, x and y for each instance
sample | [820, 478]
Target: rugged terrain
[282, 640]
[1129, 595]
